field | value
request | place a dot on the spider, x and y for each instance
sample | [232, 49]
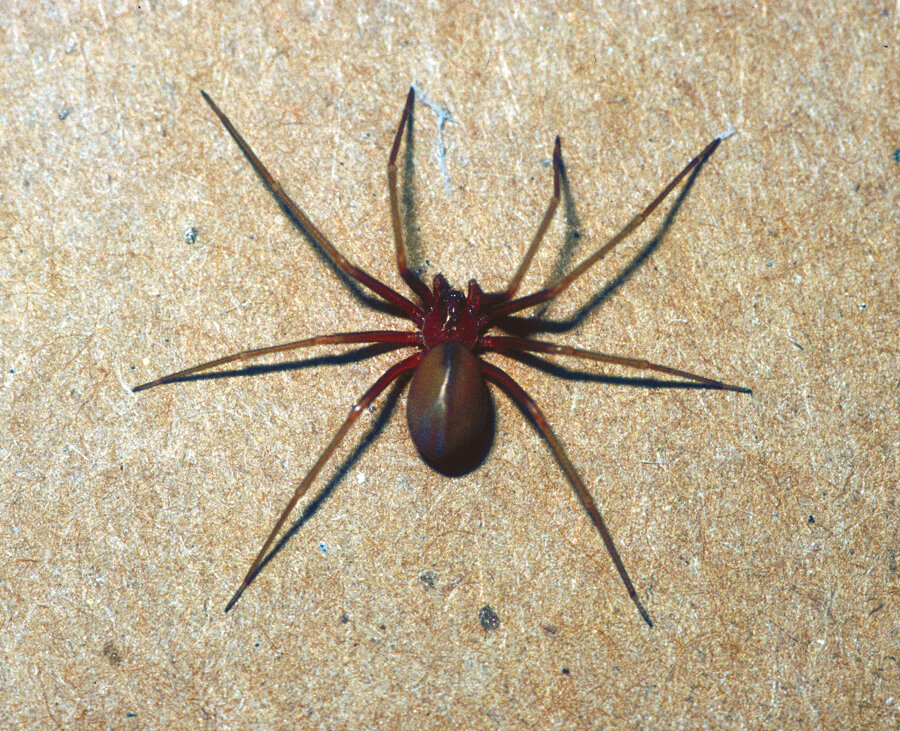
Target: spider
[448, 410]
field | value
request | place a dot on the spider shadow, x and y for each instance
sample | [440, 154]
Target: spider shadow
[566, 373]
[571, 238]
[538, 322]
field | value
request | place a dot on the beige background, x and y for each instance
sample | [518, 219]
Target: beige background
[760, 531]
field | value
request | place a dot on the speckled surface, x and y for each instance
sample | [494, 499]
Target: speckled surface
[761, 532]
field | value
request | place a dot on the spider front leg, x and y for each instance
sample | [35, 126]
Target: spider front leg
[407, 274]
[342, 263]
[545, 295]
[520, 397]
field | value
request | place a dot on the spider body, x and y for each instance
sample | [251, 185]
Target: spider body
[449, 408]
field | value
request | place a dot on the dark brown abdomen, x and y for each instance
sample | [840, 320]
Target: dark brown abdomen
[449, 409]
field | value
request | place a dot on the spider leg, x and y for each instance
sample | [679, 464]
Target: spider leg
[542, 229]
[503, 344]
[367, 398]
[375, 336]
[544, 295]
[519, 396]
[351, 270]
[408, 275]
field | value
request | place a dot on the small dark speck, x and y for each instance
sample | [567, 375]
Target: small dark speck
[550, 629]
[565, 671]
[488, 618]
[130, 715]
[166, 340]
[13, 370]
[428, 578]
[133, 367]
[111, 653]
[63, 113]
[811, 519]
[897, 155]
[344, 619]
[382, 627]
[190, 234]
[797, 344]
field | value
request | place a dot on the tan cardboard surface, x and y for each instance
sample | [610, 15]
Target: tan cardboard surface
[760, 531]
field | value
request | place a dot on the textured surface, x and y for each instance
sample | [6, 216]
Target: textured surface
[761, 532]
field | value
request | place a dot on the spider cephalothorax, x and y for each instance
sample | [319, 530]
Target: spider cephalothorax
[449, 409]
[449, 315]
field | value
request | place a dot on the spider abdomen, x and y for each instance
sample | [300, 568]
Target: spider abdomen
[449, 410]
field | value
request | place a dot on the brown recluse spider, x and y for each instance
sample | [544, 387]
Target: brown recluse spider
[448, 410]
